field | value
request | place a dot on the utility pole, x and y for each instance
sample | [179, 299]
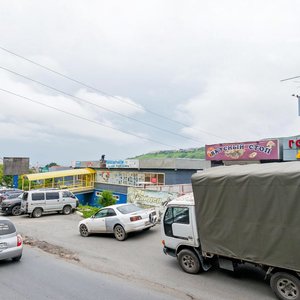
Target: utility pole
[298, 97]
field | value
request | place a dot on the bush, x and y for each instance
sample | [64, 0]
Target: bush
[87, 211]
[106, 199]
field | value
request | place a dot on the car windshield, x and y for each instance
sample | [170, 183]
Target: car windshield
[6, 227]
[12, 196]
[127, 209]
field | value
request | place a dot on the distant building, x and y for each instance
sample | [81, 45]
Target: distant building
[119, 175]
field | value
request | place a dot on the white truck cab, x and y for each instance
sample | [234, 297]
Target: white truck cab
[179, 227]
[180, 236]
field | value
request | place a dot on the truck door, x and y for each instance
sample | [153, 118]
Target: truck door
[178, 225]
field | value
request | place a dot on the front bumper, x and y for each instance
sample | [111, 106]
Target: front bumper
[169, 251]
[5, 209]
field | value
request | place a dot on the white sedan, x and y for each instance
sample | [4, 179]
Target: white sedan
[119, 219]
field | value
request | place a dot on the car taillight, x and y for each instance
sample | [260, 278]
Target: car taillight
[135, 218]
[163, 242]
[19, 240]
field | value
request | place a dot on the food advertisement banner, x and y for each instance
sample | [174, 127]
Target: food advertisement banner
[260, 150]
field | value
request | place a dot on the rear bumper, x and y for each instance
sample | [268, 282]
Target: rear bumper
[11, 252]
[138, 225]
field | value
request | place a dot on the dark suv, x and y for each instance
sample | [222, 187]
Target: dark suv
[5, 193]
[11, 205]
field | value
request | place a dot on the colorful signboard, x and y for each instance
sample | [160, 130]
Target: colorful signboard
[260, 150]
[127, 178]
[127, 163]
[291, 148]
[109, 164]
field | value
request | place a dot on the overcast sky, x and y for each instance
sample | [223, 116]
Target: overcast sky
[181, 74]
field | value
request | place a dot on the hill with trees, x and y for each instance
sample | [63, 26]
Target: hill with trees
[198, 153]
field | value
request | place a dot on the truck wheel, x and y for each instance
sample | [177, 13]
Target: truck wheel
[37, 213]
[67, 210]
[188, 261]
[285, 286]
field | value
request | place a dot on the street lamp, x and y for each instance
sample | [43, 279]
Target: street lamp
[298, 97]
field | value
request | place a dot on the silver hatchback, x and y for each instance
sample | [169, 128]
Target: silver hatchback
[11, 243]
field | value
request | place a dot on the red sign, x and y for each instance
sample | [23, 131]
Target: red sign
[296, 142]
[260, 150]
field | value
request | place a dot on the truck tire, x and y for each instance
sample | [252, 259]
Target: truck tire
[67, 210]
[285, 286]
[37, 213]
[189, 261]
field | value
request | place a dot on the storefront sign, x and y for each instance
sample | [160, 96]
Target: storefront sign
[291, 148]
[146, 198]
[86, 164]
[260, 150]
[127, 163]
[294, 142]
[110, 164]
[127, 178]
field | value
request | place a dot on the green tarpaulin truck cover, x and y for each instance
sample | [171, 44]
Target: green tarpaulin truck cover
[250, 212]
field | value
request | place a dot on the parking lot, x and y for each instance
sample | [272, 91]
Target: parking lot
[139, 259]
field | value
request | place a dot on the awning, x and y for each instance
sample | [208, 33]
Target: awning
[58, 174]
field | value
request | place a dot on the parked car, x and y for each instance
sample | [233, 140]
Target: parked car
[4, 194]
[37, 202]
[119, 219]
[11, 243]
[12, 205]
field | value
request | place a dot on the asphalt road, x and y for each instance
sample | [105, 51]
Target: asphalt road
[41, 276]
[140, 261]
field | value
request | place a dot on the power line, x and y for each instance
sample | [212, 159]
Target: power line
[87, 85]
[283, 79]
[97, 105]
[86, 119]
[104, 93]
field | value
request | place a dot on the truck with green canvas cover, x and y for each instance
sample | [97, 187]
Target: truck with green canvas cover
[236, 215]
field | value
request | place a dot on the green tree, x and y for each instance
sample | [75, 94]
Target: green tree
[5, 179]
[53, 164]
[106, 198]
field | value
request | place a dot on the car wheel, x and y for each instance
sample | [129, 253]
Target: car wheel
[37, 213]
[285, 286]
[67, 210]
[120, 233]
[16, 210]
[83, 230]
[17, 258]
[188, 261]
